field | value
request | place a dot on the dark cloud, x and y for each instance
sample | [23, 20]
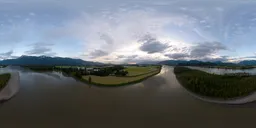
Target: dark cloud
[107, 38]
[127, 57]
[6, 55]
[201, 51]
[151, 45]
[41, 49]
[177, 55]
[120, 56]
[97, 53]
[221, 58]
[206, 49]
[140, 60]
[130, 58]
[38, 50]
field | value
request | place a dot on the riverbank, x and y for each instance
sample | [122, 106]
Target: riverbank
[11, 88]
[215, 86]
[113, 81]
[4, 78]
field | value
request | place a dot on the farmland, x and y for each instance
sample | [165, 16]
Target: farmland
[106, 75]
[136, 70]
[115, 81]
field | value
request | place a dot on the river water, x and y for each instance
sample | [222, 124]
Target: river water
[51, 100]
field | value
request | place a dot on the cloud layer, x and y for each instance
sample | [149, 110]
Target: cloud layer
[129, 31]
[40, 49]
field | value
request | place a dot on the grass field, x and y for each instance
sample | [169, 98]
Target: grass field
[218, 86]
[113, 80]
[4, 78]
[135, 70]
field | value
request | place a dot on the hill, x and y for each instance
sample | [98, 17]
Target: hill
[248, 63]
[195, 63]
[46, 61]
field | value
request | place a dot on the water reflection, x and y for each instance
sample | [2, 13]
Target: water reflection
[28, 77]
[224, 71]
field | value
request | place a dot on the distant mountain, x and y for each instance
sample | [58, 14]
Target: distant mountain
[195, 63]
[46, 61]
[248, 63]
[172, 62]
[148, 62]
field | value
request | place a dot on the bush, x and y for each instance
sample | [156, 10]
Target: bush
[78, 75]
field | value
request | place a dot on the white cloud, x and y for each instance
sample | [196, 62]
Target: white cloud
[110, 32]
[32, 14]
[114, 27]
[220, 9]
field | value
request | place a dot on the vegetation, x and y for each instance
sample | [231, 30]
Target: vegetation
[218, 86]
[136, 70]
[4, 78]
[114, 75]
[3, 66]
[40, 68]
[112, 81]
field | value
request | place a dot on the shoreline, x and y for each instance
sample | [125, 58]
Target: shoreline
[231, 101]
[12, 87]
[115, 85]
[250, 97]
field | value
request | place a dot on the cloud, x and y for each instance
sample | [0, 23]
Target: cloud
[41, 49]
[109, 40]
[220, 58]
[97, 53]
[121, 56]
[202, 51]
[6, 55]
[102, 29]
[152, 45]
[177, 55]
[119, 32]
[220, 9]
[206, 49]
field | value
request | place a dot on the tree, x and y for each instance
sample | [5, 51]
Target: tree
[78, 75]
[90, 79]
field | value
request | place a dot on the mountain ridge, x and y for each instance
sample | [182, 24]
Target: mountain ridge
[47, 61]
[207, 63]
[61, 61]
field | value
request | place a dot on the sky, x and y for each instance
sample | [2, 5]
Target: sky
[122, 31]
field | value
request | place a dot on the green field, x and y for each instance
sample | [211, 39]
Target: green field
[115, 81]
[135, 70]
[4, 78]
[218, 86]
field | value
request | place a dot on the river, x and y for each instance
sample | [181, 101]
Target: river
[47, 100]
